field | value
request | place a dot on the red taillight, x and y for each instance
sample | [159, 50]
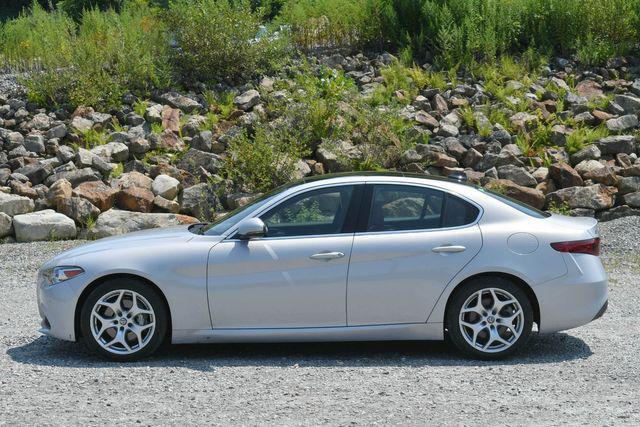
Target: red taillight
[589, 246]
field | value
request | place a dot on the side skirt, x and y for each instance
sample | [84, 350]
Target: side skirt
[412, 331]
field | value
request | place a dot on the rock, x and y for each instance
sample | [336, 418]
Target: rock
[627, 184]
[439, 104]
[338, 156]
[201, 200]
[153, 113]
[169, 141]
[80, 125]
[43, 225]
[12, 205]
[36, 172]
[617, 144]
[454, 147]
[170, 119]
[604, 175]
[112, 152]
[139, 146]
[617, 212]
[541, 174]
[65, 154]
[596, 197]
[101, 119]
[163, 205]
[78, 209]
[472, 158]
[622, 123]
[115, 222]
[98, 193]
[564, 175]
[300, 170]
[23, 189]
[134, 179]
[6, 225]
[75, 176]
[247, 100]
[527, 195]
[448, 130]
[181, 102]
[558, 135]
[165, 186]
[589, 89]
[426, 119]
[587, 166]
[135, 199]
[34, 143]
[590, 152]
[632, 199]
[630, 104]
[58, 191]
[58, 131]
[194, 160]
[517, 174]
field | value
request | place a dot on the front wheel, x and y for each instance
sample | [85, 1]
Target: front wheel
[123, 320]
[489, 318]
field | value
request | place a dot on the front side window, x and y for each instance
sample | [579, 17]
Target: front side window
[407, 207]
[314, 212]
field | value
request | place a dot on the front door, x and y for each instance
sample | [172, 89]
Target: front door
[295, 276]
[416, 239]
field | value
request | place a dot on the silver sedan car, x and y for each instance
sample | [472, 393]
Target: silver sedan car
[353, 257]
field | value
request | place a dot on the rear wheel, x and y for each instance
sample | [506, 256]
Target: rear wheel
[123, 320]
[489, 318]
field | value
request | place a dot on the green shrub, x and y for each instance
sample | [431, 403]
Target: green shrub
[264, 161]
[218, 41]
[111, 53]
[75, 8]
[38, 39]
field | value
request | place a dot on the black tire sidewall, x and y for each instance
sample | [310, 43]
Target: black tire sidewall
[460, 296]
[150, 294]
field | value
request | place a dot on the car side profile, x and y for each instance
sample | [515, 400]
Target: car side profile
[352, 257]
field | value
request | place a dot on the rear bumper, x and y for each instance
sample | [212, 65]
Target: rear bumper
[576, 298]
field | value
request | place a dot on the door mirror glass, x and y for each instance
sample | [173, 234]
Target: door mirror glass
[251, 228]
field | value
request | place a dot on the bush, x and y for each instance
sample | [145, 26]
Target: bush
[218, 41]
[38, 39]
[111, 53]
[75, 8]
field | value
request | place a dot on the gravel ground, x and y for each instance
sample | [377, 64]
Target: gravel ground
[589, 375]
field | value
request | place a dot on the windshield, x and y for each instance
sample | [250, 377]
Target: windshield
[227, 221]
[516, 204]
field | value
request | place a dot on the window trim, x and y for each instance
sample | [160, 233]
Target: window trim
[356, 196]
[368, 199]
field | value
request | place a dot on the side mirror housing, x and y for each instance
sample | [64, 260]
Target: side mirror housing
[251, 228]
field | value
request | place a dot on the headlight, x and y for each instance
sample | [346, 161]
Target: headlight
[60, 274]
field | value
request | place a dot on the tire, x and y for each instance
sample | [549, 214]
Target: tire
[116, 330]
[489, 331]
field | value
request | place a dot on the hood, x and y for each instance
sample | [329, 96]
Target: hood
[178, 234]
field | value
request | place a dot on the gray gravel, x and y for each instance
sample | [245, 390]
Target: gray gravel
[589, 375]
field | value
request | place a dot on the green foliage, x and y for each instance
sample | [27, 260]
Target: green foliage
[266, 161]
[38, 39]
[582, 137]
[93, 138]
[140, 106]
[117, 171]
[219, 40]
[75, 8]
[560, 209]
[110, 54]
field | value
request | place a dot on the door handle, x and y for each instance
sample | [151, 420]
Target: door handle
[327, 255]
[448, 249]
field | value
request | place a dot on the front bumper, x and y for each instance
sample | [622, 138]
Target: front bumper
[57, 305]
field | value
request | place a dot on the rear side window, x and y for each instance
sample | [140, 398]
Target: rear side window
[407, 207]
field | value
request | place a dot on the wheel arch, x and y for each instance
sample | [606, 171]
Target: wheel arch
[528, 290]
[97, 282]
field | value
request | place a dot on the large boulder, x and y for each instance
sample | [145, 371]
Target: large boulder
[338, 156]
[530, 196]
[6, 225]
[114, 222]
[134, 179]
[622, 123]
[43, 225]
[629, 184]
[201, 201]
[36, 172]
[517, 174]
[60, 190]
[12, 205]
[165, 186]
[630, 104]
[617, 144]
[79, 209]
[97, 193]
[135, 199]
[564, 175]
[596, 197]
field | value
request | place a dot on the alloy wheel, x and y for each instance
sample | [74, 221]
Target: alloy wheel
[491, 320]
[122, 322]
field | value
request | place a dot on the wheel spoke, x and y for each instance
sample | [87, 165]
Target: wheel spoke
[477, 307]
[476, 328]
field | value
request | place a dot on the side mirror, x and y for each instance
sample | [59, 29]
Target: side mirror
[251, 228]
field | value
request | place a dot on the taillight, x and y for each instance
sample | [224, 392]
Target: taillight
[589, 246]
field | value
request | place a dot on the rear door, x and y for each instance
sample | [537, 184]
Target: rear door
[413, 240]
